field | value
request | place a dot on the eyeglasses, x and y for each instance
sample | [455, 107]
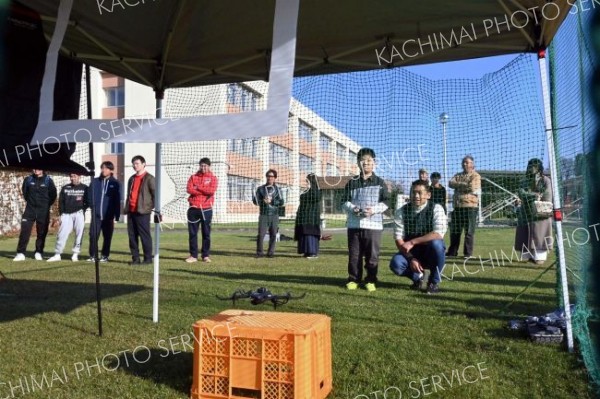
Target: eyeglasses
[270, 175]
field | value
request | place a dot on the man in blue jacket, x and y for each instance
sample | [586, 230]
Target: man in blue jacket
[39, 193]
[107, 210]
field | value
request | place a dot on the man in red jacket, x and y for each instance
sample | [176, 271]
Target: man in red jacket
[201, 187]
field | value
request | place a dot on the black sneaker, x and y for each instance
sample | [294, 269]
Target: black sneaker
[433, 288]
[259, 256]
[270, 256]
[417, 285]
[147, 262]
[134, 262]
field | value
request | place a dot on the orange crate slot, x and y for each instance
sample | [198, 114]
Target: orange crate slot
[262, 355]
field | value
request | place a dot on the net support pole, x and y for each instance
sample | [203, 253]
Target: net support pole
[92, 171]
[555, 196]
[156, 279]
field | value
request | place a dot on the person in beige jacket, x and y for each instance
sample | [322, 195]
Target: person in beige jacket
[467, 189]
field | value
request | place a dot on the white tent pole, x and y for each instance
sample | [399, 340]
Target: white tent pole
[555, 196]
[159, 115]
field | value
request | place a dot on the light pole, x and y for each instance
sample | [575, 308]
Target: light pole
[443, 120]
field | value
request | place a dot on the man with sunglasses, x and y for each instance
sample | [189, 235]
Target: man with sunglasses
[269, 199]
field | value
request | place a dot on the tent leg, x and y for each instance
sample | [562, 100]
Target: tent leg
[556, 197]
[91, 168]
[159, 114]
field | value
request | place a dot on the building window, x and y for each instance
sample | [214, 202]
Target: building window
[117, 148]
[332, 170]
[241, 96]
[353, 156]
[307, 164]
[305, 131]
[115, 96]
[278, 155]
[241, 188]
[247, 147]
[340, 150]
[332, 200]
[324, 143]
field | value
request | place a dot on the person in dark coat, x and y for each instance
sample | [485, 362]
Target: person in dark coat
[39, 193]
[307, 230]
[269, 200]
[107, 210]
[438, 192]
[533, 238]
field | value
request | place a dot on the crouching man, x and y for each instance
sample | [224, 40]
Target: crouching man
[419, 229]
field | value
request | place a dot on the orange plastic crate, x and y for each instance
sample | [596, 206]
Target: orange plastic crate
[265, 355]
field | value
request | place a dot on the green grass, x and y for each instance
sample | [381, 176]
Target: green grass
[390, 338]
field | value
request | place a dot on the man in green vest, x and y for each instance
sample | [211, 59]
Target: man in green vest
[419, 229]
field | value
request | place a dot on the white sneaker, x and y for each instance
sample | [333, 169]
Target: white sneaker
[19, 258]
[38, 256]
[75, 258]
[55, 258]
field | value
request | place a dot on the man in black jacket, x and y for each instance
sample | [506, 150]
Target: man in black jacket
[269, 199]
[39, 193]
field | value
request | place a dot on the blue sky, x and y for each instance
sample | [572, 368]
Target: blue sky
[467, 69]
[494, 106]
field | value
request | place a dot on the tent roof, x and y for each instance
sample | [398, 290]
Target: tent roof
[180, 43]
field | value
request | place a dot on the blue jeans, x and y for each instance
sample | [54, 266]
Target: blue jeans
[199, 219]
[431, 255]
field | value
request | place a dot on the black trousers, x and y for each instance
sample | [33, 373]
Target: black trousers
[107, 226]
[363, 244]
[462, 219]
[267, 223]
[41, 220]
[198, 218]
[138, 226]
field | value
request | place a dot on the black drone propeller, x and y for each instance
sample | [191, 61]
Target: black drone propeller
[260, 296]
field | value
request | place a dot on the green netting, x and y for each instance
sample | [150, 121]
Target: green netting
[572, 64]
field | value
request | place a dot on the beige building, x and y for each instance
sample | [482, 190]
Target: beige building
[311, 145]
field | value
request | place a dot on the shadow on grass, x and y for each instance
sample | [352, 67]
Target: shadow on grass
[242, 252]
[499, 281]
[159, 366]
[26, 298]
[280, 278]
[497, 309]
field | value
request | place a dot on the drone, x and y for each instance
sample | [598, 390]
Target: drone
[260, 296]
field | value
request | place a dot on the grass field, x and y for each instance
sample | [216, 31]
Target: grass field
[409, 343]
